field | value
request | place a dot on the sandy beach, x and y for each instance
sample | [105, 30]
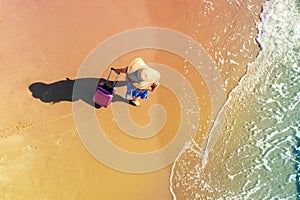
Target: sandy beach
[41, 155]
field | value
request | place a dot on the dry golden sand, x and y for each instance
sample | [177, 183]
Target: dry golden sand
[41, 155]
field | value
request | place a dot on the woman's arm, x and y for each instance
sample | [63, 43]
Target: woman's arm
[120, 70]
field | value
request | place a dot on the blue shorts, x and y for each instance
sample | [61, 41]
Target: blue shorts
[135, 92]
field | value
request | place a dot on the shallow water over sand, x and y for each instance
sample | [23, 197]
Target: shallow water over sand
[257, 154]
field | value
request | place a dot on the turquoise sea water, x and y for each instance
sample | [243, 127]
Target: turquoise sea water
[258, 153]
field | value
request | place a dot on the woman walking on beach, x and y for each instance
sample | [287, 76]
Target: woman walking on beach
[140, 79]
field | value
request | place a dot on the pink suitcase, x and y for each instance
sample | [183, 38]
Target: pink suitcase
[104, 93]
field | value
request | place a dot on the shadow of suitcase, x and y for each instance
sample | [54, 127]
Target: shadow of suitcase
[104, 92]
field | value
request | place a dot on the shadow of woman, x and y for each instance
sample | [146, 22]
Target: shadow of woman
[63, 91]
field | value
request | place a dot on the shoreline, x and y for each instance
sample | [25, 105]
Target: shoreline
[190, 146]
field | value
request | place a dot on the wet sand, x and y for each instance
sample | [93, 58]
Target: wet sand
[41, 155]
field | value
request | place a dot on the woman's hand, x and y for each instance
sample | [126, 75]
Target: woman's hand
[119, 70]
[116, 70]
[154, 86]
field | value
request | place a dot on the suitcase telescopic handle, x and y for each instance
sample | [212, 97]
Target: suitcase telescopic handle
[115, 81]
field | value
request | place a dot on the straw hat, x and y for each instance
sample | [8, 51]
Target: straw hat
[141, 75]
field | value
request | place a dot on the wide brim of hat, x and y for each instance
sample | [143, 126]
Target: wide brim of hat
[142, 85]
[133, 67]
